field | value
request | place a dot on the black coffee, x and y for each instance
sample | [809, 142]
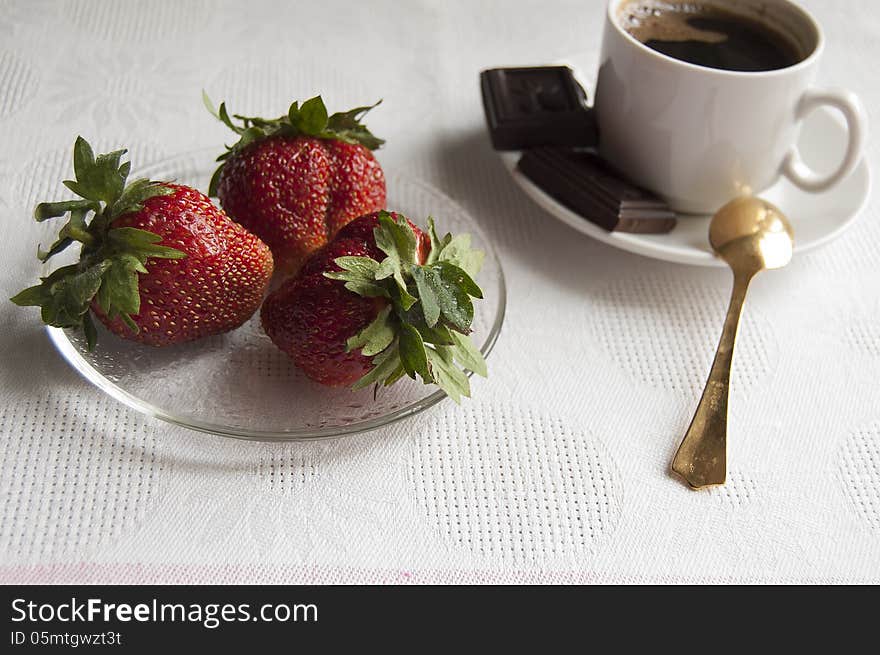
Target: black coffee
[709, 35]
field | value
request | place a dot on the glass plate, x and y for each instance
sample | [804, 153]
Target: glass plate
[239, 384]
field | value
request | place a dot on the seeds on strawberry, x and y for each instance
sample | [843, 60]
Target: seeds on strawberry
[159, 263]
[382, 300]
[294, 181]
[279, 190]
[311, 317]
[357, 184]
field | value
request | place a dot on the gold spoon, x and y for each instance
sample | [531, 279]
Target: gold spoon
[751, 235]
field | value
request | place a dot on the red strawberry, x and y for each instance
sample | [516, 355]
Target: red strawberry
[383, 299]
[363, 230]
[159, 264]
[311, 317]
[296, 180]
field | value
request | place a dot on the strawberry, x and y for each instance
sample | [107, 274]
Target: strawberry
[294, 181]
[380, 301]
[159, 263]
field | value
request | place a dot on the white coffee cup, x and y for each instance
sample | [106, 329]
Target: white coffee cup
[701, 136]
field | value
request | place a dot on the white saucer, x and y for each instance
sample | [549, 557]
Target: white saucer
[817, 218]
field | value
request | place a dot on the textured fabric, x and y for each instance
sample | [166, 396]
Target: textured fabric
[558, 469]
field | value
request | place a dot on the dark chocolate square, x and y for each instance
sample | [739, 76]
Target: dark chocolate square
[537, 106]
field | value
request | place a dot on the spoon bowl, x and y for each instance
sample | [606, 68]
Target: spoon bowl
[752, 234]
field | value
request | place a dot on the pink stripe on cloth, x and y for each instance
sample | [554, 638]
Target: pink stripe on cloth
[134, 573]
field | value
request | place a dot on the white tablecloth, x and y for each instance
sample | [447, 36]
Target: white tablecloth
[557, 470]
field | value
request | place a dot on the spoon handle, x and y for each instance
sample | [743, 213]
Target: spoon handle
[702, 456]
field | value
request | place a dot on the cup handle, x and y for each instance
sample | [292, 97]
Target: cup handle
[850, 106]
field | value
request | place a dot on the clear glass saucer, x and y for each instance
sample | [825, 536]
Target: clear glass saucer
[239, 384]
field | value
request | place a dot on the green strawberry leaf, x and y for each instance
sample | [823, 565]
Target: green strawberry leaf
[83, 286]
[223, 115]
[109, 172]
[209, 105]
[385, 364]
[119, 292]
[467, 354]
[426, 283]
[34, 296]
[367, 289]
[349, 120]
[60, 273]
[447, 289]
[396, 239]
[437, 244]
[80, 189]
[354, 268]
[54, 249]
[388, 268]
[458, 251]
[90, 331]
[312, 118]
[359, 275]
[98, 179]
[135, 194]
[401, 296]
[141, 243]
[346, 126]
[457, 276]
[129, 322]
[65, 295]
[449, 378]
[293, 113]
[360, 136]
[374, 338]
[455, 250]
[398, 373]
[83, 158]
[438, 336]
[46, 210]
[104, 298]
[413, 354]
[250, 135]
[214, 184]
[77, 228]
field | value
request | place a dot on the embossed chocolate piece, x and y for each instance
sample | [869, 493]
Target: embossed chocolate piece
[539, 106]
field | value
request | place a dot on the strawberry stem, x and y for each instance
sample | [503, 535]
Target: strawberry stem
[309, 119]
[110, 258]
[424, 330]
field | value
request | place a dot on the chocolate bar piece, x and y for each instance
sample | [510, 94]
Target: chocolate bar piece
[587, 185]
[541, 106]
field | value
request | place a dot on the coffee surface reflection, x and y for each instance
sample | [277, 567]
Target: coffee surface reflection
[709, 35]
